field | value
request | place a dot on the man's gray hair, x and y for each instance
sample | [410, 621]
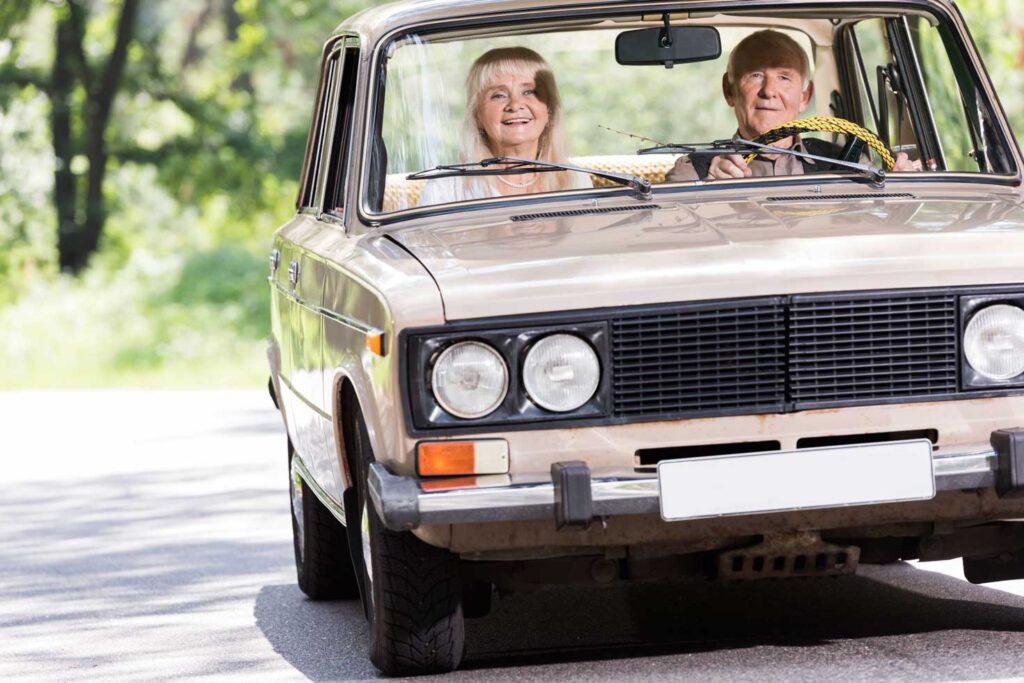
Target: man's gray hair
[765, 49]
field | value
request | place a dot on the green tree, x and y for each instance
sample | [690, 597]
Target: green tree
[203, 91]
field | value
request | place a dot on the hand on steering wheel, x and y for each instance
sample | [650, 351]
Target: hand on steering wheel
[830, 124]
[729, 166]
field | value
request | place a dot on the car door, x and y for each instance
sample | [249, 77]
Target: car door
[298, 285]
[317, 228]
[332, 237]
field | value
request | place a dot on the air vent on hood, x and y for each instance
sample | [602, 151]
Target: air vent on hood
[839, 197]
[582, 212]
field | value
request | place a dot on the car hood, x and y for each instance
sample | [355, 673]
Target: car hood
[626, 254]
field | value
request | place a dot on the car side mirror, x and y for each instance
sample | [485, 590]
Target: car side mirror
[668, 45]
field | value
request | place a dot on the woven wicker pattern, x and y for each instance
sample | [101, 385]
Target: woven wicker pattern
[400, 193]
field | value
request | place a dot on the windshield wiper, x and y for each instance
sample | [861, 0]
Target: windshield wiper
[728, 146]
[741, 146]
[518, 165]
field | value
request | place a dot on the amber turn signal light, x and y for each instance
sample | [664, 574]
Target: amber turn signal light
[454, 458]
[375, 342]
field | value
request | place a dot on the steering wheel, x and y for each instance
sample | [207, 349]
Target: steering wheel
[856, 136]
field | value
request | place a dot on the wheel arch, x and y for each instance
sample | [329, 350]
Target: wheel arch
[350, 398]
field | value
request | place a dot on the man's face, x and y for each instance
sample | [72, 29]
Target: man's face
[766, 96]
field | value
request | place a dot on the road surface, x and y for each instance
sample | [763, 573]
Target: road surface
[145, 535]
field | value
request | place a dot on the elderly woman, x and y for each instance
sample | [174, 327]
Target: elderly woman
[512, 109]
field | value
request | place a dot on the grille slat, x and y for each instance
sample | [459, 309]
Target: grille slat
[761, 356]
[857, 327]
[888, 345]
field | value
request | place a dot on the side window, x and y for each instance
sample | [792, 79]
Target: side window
[883, 102]
[912, 85]
[310, 180]
[957, 146]
[963, 119]
[341, 151]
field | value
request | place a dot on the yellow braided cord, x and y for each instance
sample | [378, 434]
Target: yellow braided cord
[827, 124]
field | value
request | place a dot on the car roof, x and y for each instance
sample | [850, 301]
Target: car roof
[372, 23]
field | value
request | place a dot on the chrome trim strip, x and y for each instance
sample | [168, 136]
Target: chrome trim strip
[351, 323]
[297, 394]
[403, 504]
[299, 468]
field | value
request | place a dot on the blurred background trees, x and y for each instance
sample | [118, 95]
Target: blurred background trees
[147, 152]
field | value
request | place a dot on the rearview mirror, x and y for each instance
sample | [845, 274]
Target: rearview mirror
[668, 45]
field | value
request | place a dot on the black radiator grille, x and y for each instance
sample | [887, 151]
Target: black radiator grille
[722, 358]
[772, 355]
[872, 348]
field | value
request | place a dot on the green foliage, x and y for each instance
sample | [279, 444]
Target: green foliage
[27, 231]
[125, 327]
[226, 278]
[998, 31]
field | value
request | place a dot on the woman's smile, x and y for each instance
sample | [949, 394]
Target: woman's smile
[512, 115]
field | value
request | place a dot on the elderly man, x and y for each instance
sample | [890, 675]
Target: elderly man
[767, 84]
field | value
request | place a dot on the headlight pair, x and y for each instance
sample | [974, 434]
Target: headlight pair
[560, 373]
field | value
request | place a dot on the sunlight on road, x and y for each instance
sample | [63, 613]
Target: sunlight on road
[138, 527]
[955, 569]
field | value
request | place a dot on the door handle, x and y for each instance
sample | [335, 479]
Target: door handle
[293, 274]
[275, 260]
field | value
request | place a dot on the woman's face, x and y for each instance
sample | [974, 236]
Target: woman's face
[512, 115]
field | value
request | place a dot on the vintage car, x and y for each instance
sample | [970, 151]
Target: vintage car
[492, 382]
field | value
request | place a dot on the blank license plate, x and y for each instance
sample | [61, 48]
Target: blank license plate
[808, 478]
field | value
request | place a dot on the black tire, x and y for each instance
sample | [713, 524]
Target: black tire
[416, 622]
[323, 563]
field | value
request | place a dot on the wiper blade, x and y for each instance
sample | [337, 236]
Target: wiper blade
[727, 146]
[482, 167]
[873, 173]
[518, 165]
[741, 146]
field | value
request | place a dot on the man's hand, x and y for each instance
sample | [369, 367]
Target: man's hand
[903, 164]
[729, 166]
[732, 166]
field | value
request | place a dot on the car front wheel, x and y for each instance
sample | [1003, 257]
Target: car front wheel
[413, 591]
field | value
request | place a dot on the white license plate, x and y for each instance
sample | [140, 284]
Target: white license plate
[807, 478]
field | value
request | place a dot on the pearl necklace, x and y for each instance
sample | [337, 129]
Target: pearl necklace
[518, 185]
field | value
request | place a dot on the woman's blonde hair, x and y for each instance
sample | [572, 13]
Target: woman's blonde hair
[518, 61]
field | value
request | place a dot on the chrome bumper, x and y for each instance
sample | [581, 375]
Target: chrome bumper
[408, 502]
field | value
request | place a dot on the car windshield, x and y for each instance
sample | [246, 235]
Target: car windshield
[894, 92]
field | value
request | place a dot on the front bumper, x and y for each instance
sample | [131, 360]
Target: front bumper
[408, 502]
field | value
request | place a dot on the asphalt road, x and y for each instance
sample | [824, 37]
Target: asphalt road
[145, 535]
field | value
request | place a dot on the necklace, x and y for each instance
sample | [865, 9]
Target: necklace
[518, 185]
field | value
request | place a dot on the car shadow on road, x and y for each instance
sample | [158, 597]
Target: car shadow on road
[323, 640]
[565, 627]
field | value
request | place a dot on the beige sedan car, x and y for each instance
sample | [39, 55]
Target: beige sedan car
[623, 291]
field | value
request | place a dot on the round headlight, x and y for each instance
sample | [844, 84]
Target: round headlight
[470, 379]
[561, 372]
[994, 342]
